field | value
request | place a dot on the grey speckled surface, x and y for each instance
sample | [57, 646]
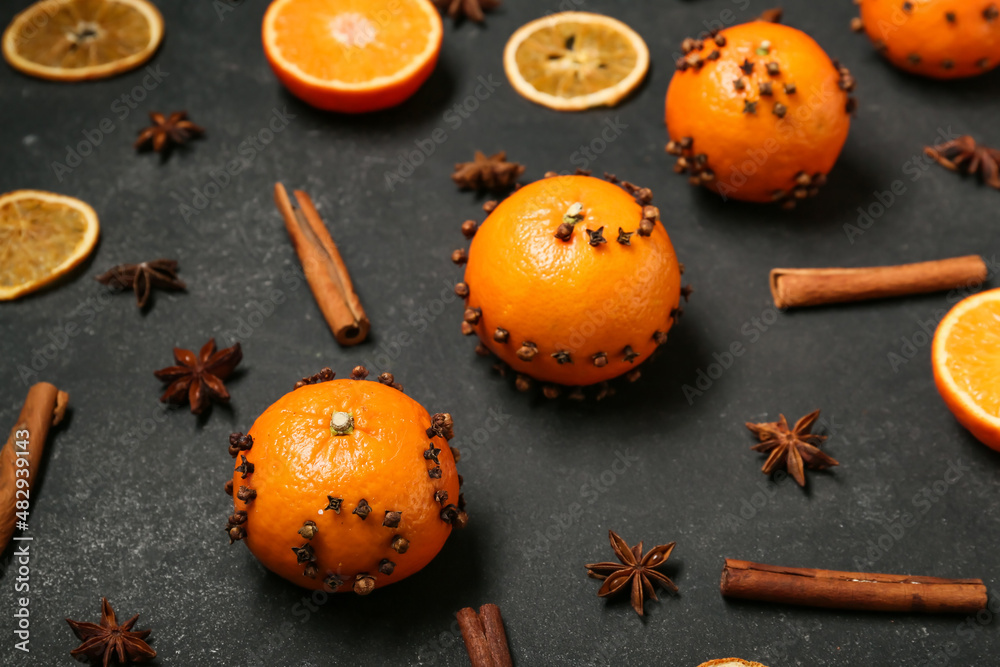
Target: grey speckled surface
[131, 505]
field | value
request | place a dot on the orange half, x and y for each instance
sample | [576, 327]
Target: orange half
[352, 55]
[966, 360]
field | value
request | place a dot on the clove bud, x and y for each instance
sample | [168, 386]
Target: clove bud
[527, 351]
[363, 509]
[400, 544]
[364, 584]
[308, 530]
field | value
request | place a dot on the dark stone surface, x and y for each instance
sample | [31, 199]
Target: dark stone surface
[132, 507]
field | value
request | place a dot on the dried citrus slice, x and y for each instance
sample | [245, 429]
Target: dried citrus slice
[575, 60]
[42, 236]
[966, 361]
[352, 55]
[74, 40]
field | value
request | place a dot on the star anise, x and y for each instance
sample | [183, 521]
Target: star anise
[143, 277]
[109, 641]
[472, 9]
[166, 132]
[963, 155]
[198, 379]
[794, 448]
[492, 173]
[635, 569]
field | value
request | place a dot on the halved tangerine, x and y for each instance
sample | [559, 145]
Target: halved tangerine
[966, 361]
[75, 40]
[42, 236]
[352, 55]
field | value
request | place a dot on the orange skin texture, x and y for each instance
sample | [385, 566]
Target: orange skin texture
[925, 31]
[298, 462]
[362, 100]
[569, 295]
[705, 105]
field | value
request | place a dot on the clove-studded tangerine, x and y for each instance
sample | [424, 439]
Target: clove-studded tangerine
[572, 280]
[944, 39]
[758, 112]
[345, 485]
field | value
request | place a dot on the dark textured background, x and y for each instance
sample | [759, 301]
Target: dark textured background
[132, 507]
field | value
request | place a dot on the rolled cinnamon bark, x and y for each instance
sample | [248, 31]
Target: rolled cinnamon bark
[850, 590]
[474, 634]
[324, 268]
[496, 636]
[45, 406]
[811, 287]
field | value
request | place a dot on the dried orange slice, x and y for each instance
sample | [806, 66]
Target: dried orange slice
[966, 361]
[74, 40]
[575, 60]
[42, 236]
[352, 55]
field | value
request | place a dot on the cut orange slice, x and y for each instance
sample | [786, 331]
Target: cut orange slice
[352, 55]
[575, 60]
[966, 360]
[42, 236]
[74, 40]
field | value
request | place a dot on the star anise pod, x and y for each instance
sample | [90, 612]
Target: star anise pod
[166, 132]
[472, 9]
[963, 155]
[635, 568]
[198, 379]
[794, 448]
[492, 173]
[143, 277]
[109, 641]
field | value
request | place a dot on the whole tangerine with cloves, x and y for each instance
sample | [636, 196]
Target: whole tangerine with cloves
[345, 485]
[758, 112]
[943, 39]
[571, 281]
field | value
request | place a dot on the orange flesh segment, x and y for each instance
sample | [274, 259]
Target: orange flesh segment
[351, 41]
[35, 238]
[973, 348]
[83, 33]
[572, 59]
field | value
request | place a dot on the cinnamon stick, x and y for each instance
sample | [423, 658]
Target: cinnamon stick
[496, 636]
[851, 590]
[44, 406]
[485, 638]
[812, 287]
[324, 268]
[474, 635]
